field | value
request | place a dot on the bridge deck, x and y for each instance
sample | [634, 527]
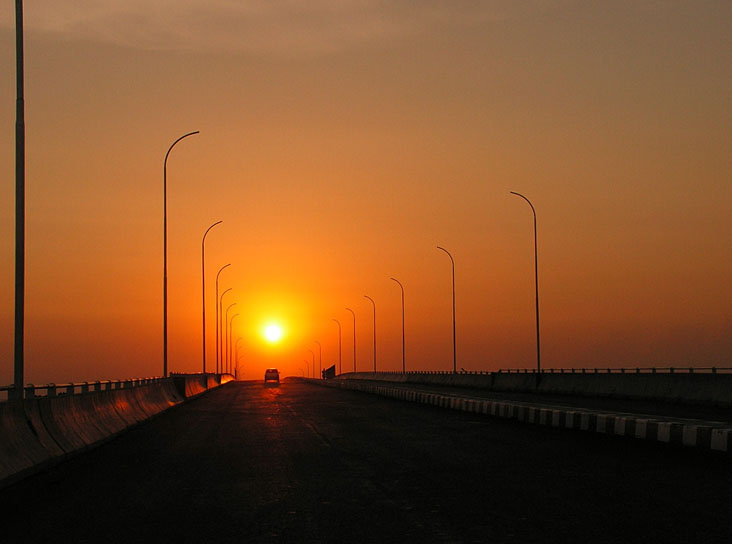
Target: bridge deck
[302, 463]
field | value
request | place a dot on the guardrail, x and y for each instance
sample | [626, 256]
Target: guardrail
[427, 372]
[597, 370]
[636, 370]
[32, 391]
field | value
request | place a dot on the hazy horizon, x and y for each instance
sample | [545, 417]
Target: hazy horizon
[340, 143]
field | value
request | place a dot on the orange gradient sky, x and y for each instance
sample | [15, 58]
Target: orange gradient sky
[341, 142]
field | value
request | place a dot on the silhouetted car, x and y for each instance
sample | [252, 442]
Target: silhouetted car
[272, 375]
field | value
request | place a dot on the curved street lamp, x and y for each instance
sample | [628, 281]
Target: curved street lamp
[454, 345]
[165, 253]
[218, 311]
[219, 327]
[404, 351]
[225, 343]
[374, 304]
[354, 338]
[536, 287]
[340, 350]
[203, 289]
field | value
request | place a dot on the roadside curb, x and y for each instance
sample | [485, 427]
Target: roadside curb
[690, 433]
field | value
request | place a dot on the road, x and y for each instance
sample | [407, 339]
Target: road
[303, 463]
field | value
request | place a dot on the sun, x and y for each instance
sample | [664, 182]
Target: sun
[273, 333]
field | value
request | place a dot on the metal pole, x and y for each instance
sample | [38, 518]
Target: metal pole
[231, 328]
[222, 324]
[19, 341]
[454, 344]
[536, 287]
[340, 350]
[165, 253]
[354, 338]
[313, 367]
[320, 358]
[203, 289]
[226, 336]
[404, 351]
[216, 303]
[374, 304]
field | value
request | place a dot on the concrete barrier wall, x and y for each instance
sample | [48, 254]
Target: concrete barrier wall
[707, 389]
[40, 430]
[190, 386]
[683, 432]
[690, 388]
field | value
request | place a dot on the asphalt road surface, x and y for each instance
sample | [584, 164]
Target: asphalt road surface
[303, 463]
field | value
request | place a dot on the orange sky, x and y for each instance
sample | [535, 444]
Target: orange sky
[340, 143]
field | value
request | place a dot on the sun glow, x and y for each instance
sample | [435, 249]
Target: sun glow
[273, 333]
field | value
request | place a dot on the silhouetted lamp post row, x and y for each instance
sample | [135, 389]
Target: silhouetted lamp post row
[454, 341]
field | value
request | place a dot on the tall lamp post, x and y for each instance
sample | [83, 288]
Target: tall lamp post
[219, 327]
[225, 323]
[320, 358]
[454, 344]
[404, 351]
[312, 353]
[374, 305]
[165, 253]
[354, 338]
[19, 333]
[340, 350]
[231, 344]
[536, 287]
[203, 288]
[218, 311]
